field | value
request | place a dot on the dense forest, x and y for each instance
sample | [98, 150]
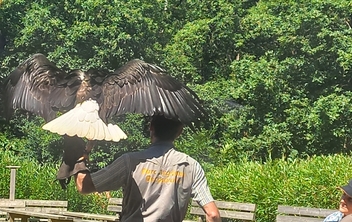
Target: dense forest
[274, 75]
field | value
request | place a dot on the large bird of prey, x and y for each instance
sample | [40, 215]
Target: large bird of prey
[40, 87]
[88, 99]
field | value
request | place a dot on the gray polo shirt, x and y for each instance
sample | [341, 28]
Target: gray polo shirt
[157, 183]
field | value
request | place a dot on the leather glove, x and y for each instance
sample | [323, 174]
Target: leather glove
[74, 159]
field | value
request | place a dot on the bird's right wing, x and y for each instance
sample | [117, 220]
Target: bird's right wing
[140, 87]
[30, 86]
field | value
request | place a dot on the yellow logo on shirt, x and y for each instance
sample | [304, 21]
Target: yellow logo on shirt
[163, 176]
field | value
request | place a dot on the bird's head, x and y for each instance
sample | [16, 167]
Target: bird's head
[81, 74]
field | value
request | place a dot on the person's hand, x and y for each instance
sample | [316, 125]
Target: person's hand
[74, 159]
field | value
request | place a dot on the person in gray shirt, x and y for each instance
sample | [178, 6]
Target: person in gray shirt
[347, 218]
[158, 183]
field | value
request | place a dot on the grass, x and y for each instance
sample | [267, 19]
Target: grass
[311, 182]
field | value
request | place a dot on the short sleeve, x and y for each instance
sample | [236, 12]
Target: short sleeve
[113, 176]
[334, 217]
[200, 189]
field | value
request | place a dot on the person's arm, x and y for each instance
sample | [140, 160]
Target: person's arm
[111, 177]
[84, 183]
[336, 216]
[201, 194]
[212, 212]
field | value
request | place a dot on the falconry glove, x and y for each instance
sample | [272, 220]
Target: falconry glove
[74, 160]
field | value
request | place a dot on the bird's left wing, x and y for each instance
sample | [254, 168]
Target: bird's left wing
[140, 87]
[28, 87]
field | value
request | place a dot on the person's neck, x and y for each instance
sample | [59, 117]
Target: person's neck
[157, 140]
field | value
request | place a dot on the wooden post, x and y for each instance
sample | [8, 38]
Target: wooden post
[12, 181]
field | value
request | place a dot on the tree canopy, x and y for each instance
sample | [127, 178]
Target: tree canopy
[274, 75]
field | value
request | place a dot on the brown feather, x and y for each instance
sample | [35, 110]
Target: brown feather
[40, 87]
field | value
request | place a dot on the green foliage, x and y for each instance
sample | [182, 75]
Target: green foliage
[81, 34]
[204, 47]
[27, 139]
[202, 148]
[290, 81]
[309, 183]
[36, 181]
[274, 75]
[186, 50]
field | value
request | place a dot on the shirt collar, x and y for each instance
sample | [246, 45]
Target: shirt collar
[163, 146]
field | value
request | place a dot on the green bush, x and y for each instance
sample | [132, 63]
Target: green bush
[311, 182]
[35, 181]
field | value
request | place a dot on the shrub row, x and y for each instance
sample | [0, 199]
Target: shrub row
[35, 181]
[311, 182]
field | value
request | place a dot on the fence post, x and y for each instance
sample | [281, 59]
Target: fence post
[12, 181]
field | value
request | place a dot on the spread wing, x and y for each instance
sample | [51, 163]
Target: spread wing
[140, 87]
[38, 86]
[28, 86]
